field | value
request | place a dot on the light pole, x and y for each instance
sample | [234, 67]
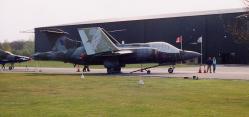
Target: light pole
[201, 53]
[200, 41]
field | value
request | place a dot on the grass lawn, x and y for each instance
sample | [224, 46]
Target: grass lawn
[39, 95]
[59, 64]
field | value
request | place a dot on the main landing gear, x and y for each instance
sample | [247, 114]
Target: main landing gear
[114, 70]
[11, 67]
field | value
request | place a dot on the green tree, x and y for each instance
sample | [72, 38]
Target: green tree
[239, 27]
[6, 46]
[25, 48]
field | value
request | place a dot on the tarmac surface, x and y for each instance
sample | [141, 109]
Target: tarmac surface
[233, 72]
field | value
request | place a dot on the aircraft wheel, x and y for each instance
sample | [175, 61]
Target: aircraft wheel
[170, 70]
[148, 71]
[109, 71]
[10, 68]
[114, 70]
[117, 69]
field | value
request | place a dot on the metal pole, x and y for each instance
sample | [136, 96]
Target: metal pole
[181, 44]
[201, 53]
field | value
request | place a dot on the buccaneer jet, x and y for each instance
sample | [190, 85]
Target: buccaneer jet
[98, 47]
[7, 57]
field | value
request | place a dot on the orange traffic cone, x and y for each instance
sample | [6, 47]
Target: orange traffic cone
[78, 68]
[199, 69]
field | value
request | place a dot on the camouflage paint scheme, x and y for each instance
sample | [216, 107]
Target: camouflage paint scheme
[97, 48]
[7, 57]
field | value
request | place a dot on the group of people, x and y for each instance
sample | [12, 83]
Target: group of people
[211, 62]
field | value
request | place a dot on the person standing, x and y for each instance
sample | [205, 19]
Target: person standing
[214, 64]
[209, 64]
[3, 66]
[86, 68]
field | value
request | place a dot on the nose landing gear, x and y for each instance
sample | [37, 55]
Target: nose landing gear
[171, 69]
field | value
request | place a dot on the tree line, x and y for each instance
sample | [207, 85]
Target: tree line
[25, 48]
[239, 27]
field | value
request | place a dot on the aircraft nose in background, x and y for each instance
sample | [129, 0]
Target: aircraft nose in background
[189, 54]
[24, 58]
[27, 58]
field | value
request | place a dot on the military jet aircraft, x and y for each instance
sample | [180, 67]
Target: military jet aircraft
[8, 57]
[98, 47]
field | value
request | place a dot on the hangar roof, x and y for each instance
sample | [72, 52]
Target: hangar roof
[175, 9]
[183, 14]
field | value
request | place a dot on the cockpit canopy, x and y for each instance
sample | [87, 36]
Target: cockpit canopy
[164, 47]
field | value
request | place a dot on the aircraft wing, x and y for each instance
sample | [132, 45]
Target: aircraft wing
[117, 53]
[95, 41]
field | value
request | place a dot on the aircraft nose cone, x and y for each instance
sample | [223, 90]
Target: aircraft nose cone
[189, 54]
[22, 58]
[27, 58]
[43, 56]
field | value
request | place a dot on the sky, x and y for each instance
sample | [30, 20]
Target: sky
[25, 15]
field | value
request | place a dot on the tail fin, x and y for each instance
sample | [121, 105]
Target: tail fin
[96, 41]
[60, 44]
[56, 40]
[3, 54]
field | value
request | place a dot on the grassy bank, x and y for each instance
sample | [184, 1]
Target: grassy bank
[37, 95]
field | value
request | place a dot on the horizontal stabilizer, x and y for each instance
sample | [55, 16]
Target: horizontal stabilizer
[54, 30]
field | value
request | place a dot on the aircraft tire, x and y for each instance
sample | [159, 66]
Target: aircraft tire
[109, 70]
[114, 70]
[118, 69]
[148, 71]
[170, 70]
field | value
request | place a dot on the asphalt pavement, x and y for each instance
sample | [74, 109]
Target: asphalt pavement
[240, 72]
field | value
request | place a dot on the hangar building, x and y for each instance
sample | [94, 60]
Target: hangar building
[210, 25]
